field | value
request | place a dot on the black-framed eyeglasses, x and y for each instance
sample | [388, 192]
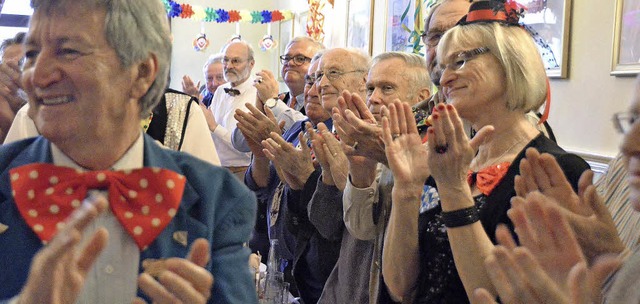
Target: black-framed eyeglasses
[623, 121]
[309, 80]
[297, 59]
[333, 75]
[462, 58]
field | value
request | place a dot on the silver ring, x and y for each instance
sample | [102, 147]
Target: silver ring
[394, 136]
[355, 145]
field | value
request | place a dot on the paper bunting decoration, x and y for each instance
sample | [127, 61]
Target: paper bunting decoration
[276, 16]
[315, 23]
[266, 17]
[245, 15]
[208, 14]
[200, 43]
[198, 13]
[223, 16]
[187, 11]
[234, 16]
[267, 43]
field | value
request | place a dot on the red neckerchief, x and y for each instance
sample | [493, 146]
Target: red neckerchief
[488, 178]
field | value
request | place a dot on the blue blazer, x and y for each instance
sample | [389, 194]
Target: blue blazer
[215, 206]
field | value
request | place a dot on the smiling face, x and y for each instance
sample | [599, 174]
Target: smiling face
[214, 76]
[631, 149]
[293, 74]
[338, 60]
[477, 83]
[388, 81]
[312, 104]
[78, 90]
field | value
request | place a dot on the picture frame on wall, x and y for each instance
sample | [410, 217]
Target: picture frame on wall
[626, 39]
[301, 26]
[399, 17]
[359, 26]
[549, 23]
[285, 34]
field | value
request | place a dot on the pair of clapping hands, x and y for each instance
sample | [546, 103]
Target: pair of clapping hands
[294, 164]
[58, 273]
[568, 241]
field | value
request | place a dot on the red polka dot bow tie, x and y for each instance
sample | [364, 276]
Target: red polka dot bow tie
[144, 200]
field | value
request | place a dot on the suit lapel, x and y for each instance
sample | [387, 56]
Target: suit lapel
[183, 229]
[32, 150]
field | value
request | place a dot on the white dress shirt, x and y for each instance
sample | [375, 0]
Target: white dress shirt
[223, 107]
[113, 278]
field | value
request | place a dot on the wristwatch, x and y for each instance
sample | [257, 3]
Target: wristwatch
[271, 102]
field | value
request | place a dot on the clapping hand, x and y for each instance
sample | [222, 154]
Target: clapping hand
[59, 270]
[585, 210]
[294, 164]
[356, 125]
[266, 86]
[549, 267]
[330, 155]
[257, 125]
[182, 280]
[403, 147]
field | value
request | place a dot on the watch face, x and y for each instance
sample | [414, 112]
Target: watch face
[271, 102]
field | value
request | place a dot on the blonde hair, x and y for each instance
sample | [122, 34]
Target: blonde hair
[526, 79]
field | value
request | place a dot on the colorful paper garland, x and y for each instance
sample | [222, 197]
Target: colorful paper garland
[208, 14]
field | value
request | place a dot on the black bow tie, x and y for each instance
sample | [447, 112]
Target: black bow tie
[232, 91]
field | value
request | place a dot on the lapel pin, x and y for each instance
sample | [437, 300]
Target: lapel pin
[180, 237]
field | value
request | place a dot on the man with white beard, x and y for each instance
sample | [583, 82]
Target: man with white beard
[238, 62]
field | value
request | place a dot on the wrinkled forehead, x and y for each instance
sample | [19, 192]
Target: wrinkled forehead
[57, 23]
[236, 50]
[336, 60]
[301, 47]
[388, 69]
[447, 14]
[455, 41]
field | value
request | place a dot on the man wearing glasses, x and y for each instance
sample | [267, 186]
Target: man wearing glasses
[287, 107]
[238, 62]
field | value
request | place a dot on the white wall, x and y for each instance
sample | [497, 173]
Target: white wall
[582, 104]
[185, 60]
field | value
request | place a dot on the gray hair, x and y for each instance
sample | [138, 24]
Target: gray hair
[246, 44]
[214, 58]
[135, 30]
[361, 61]
[317, 56]
[416, 69]
[316, 46]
